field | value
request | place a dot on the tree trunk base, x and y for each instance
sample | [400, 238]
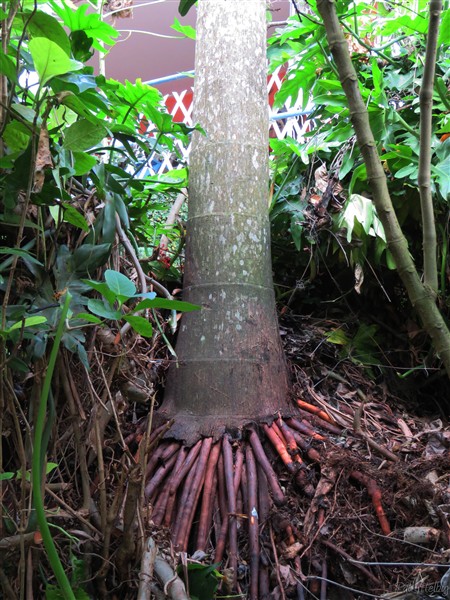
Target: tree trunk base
[188, 428]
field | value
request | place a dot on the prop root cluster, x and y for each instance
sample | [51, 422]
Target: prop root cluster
[210, 493]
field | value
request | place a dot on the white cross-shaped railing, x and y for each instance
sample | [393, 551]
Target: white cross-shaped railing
[290, 121]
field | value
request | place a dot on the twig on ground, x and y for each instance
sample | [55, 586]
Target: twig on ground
[6, 586]
[277, 564]
[173, 586]
[347, 556]
[326, 483]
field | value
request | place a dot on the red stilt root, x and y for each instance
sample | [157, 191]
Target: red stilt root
[208, 489]
[375, 493]
[272, 479]
[253, 521]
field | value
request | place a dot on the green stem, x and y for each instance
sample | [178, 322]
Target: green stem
[442, 93]
[36, 468]
[163, 335]
[430, 273]
[366, 46]
[406, 126]
[283, 183]
[444, 250]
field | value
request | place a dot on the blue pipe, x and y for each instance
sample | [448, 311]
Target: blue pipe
[169, 78]
[289, 114]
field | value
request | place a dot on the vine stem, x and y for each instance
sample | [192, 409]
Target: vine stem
[36, 468]
[430, 272]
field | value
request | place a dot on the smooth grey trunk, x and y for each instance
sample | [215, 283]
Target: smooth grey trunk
[231, 366]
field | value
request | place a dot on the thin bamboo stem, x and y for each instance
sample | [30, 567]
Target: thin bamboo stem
[430, 271]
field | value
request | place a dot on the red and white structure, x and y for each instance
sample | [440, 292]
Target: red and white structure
[291, 121]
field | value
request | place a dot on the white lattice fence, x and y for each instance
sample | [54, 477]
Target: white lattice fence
[179, 104]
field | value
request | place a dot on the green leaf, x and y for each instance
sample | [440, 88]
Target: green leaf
[16, 364]
[347, 164]
[51, 466]
[147, 295]
[28, 322]
[50, 60]
[444, 28]
[75, 82]
[296, 230]
[108, 223]
[24, 111]
[73, 341]
[185, 6]
[406, 171]
[16, 136]
[43, 25]
[120, 284]
[83, 163]
[7, 67]
[359, 173]
[88, 317]
[89, 257]
[359, 209]
[83, 135]
[22, 253]
[53, 592]
[441, 173]
[102, 288]
[140, 325]
[169, 304]
[365, 347]
[406, 23]
[72, 216]
[79, 569]
[122, 211]
[81, 104]
[81, 45]
[91, 24]
[98, 308]
[186, 30]
[203, 580]
[337, 336]
[138, 95]
[80, 594]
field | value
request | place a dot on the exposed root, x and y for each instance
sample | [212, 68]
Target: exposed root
[208, 495]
